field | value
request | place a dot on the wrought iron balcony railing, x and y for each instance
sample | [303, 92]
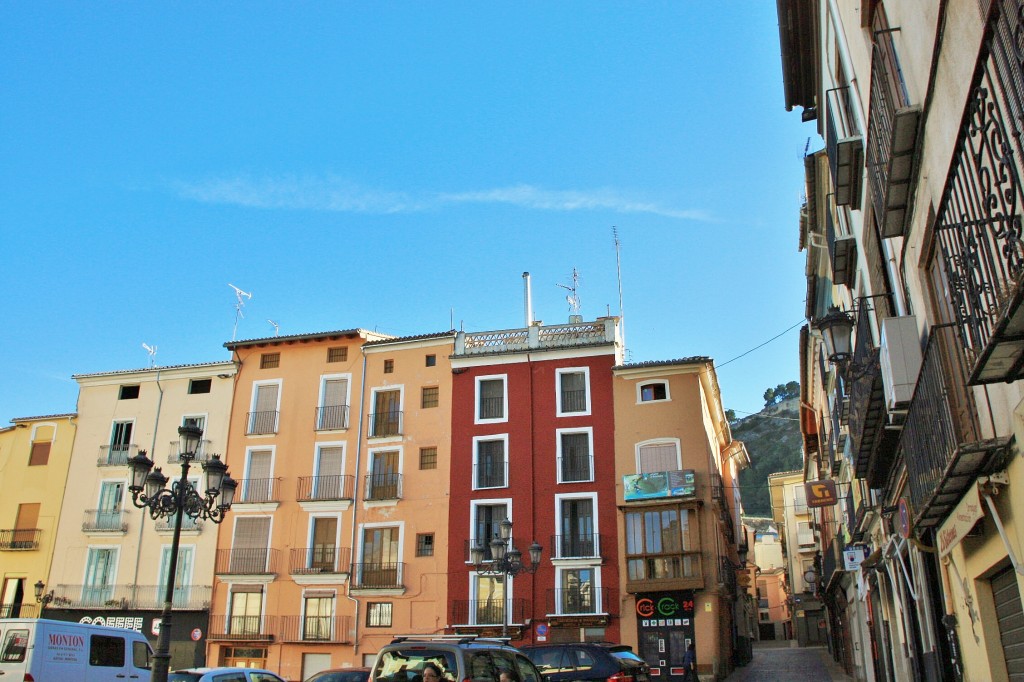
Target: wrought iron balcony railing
[331, 417]
[578, 601]
[324, 488]
[261, 423]
[383, 487]
[260, 561]
[257, 490]
[105, 520]
[189, 597]
[489, 475]
[116, 454]
[19, 610]
[385, 424]
[576, 468]
[19, 539]
[188, 524]
[576, 546]
[574, 401]
[377, 574]
[488, 611]
[243, 628]
[320, 559]
[328, 629]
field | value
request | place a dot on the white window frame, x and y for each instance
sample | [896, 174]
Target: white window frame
[337, 534]
[270, 532]
[589, 430]
[361, 539]
[490, 502]
[116, 563]
[562, 497]
[277, 408]
[306, 595]
[187, 584]
[231, 603]
[248, 452]
[205, 416]
[639, 391]
[559, 570]
[473, 577]
[476, 399]
[660, 441]
[585, 371]
[476, 441]
[324, 378]
[401, 409]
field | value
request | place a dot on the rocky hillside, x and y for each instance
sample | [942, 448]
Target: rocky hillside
[772, 437]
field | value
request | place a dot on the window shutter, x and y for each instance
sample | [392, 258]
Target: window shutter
[330, 462]
[40, 454]
[335, 392]
[266, 398]
[251, 533]
[259, 465]
[654, 458]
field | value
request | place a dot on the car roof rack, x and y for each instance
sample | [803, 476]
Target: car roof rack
[452, 638]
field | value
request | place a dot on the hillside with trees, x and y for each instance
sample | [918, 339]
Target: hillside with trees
[772, 437]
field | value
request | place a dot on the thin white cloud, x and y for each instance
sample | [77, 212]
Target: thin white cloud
[332, 194]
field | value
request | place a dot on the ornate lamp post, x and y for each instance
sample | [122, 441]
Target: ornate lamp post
[507, 561]
[149, 491]
[42, 599]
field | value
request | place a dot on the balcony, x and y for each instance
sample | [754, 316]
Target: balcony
[188, 525]
[381, 487]
[537, 337]
[257, 491]
[978, 221]
[189, 597]
[941, 443]
[116, 454]
[324, 488]
[487, 612]
[385, 424]
[845, 148]
[312, 629]
[332, 417]
[260, 561]
[325, 559]
[19, 539]
[242, 628]
[576, 546]
[261, 423]
[584, 600]
[892, 134]
[23, 610]
[105, 521]
[376, 575]
[202, 453]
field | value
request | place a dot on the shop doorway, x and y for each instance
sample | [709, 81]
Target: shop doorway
[665, 629]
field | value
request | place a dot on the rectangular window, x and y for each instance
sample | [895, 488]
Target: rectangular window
[424, 544]
[653, 391]
[270, 360]
[389, 366]
[263, 418]
[431, 360]
[384, 481]
[199, 386]
[318, 620]
[657, 457]
[378, 614]
[25, 525]
[430, 396]
[577, 591]
[573, 397]
[182, 574]
[486, 525]
[324, 552]
[40, 454]
[489, 605]
[337, 354]
[381, 554]
[327, 484]
[106, 651]
[662, 543]
[490, 464]
[250, 545]
[386, 419]
[576, 519]
[100, 567]
[258, 484]
[490, 399]
[332, 413]
[575, 462]
[799, 499]
[428, 458]
[246, 611]
[129, 392]
[109, 511]
[15, 646]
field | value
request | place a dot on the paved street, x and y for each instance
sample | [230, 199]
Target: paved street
[789, 664]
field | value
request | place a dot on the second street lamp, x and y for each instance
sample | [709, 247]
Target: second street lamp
[149, 491]
[506, 561]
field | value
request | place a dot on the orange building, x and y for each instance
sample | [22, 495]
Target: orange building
[340, 444]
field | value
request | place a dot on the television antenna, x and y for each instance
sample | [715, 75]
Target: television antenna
[618, 274]
[152, 353]
[572, 298]
[239, 294]
[276, 327]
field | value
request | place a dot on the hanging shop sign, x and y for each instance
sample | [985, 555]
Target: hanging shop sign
[854, 556]
[960, 522]
[821, 493]
[659, 484]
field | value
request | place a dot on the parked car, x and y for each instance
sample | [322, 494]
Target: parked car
[223, 675]
[588, 662]
[458, 658]
[341, 675]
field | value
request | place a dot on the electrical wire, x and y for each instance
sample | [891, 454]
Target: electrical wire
[717, 367]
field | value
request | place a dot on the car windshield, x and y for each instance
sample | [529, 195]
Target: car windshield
[406, 664]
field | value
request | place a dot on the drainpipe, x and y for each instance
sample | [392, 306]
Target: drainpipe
[355, 499]
[152, 449]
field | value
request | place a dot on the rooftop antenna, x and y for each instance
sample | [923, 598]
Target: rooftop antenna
[618, 274]
[152, 354]
[239, 294]
[572, 298]
[277, 330]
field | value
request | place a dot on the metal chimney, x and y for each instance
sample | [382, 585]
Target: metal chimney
[527, 299]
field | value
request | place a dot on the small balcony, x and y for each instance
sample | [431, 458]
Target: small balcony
[487, 612]
[188, 597]
[203, 452]
[116, 454]
[845, 148]
[324, 488]
[243, 628]
[314, 629]
[385, 424]
[584, 600]
[257, 491]
[576, 546]
[188, 525]
[332, 417]
[261, 561]
[19, 539]
[105, 521]
[23, 610]
[381, 487]
[324, 559]
[374, 575]
[261, 423]
[941, 443]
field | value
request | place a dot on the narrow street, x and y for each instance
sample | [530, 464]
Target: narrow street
[774, 662]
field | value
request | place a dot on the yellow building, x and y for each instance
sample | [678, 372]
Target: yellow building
[34, 456]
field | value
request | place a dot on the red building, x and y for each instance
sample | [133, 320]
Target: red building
[533, 443]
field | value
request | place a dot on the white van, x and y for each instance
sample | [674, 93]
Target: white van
[42, 650]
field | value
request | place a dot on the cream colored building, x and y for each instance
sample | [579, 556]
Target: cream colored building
[113, 559]
[34, 456]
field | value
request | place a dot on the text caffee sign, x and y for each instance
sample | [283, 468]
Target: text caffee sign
[821, 493]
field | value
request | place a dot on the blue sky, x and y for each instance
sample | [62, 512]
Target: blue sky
[392, 166]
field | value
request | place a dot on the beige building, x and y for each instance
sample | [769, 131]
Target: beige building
[113, 561]
[34, 456]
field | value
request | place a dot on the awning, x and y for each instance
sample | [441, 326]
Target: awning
[960, 522]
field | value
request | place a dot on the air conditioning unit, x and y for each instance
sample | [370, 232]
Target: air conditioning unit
[900, 359]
